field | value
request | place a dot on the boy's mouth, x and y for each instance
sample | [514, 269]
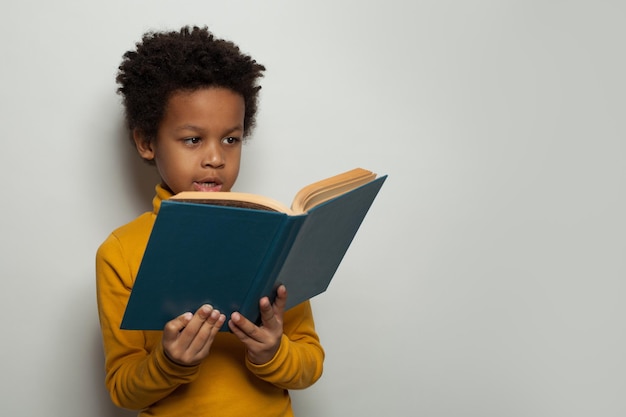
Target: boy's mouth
[207, 186]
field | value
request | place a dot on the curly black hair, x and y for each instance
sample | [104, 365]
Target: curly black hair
[190, 59]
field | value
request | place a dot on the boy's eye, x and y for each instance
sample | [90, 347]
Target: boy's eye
[230, 140]
[192, 141]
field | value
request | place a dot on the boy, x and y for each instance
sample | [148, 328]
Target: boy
[190, 100]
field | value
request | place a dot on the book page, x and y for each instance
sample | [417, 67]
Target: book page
[315, 194]
[232, 199]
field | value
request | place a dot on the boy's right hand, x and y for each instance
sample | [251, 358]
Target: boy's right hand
[188, 338]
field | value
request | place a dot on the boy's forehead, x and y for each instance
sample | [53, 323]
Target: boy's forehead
[190, 92]
[192, 109]
[211, 94]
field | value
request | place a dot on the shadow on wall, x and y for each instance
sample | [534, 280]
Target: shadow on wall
[136, 187]
[105, 407]
[142, 176]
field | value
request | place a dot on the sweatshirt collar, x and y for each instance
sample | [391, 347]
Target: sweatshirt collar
[161, 194]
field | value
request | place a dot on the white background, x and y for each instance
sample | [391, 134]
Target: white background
[488, 278]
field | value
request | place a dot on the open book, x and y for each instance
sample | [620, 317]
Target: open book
[308, 197]
[230, 249]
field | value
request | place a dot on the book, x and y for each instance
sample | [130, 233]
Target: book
[230, 249]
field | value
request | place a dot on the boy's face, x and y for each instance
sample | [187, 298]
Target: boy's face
[198, 144]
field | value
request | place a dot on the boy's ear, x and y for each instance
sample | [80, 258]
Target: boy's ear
[143, 145]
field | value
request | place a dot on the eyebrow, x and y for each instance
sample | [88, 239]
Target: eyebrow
[200, 129]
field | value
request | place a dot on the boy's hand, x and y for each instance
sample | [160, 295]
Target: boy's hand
[262, 342]
[187, 339]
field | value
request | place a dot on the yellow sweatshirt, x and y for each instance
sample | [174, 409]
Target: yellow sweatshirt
[140, 377]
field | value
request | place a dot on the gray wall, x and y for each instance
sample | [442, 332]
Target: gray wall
[488, 278]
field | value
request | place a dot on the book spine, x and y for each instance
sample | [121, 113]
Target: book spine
[271, 266]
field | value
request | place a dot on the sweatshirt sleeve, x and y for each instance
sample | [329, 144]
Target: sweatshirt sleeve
[298, 363]
[135, 377]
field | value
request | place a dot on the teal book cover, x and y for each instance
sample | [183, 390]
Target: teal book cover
[231, 257]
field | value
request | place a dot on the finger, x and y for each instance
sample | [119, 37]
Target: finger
[281, 298]
[235, 329]
[192, 344]
[173, 327]
[198, 319]
[189, 332]
[242, 327]
[201, 344]
[272, 315]
[268, 315]
[202, 322]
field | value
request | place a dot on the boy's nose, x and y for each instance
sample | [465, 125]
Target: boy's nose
[213, 157]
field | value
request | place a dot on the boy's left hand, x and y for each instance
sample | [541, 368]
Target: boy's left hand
[262, 342]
